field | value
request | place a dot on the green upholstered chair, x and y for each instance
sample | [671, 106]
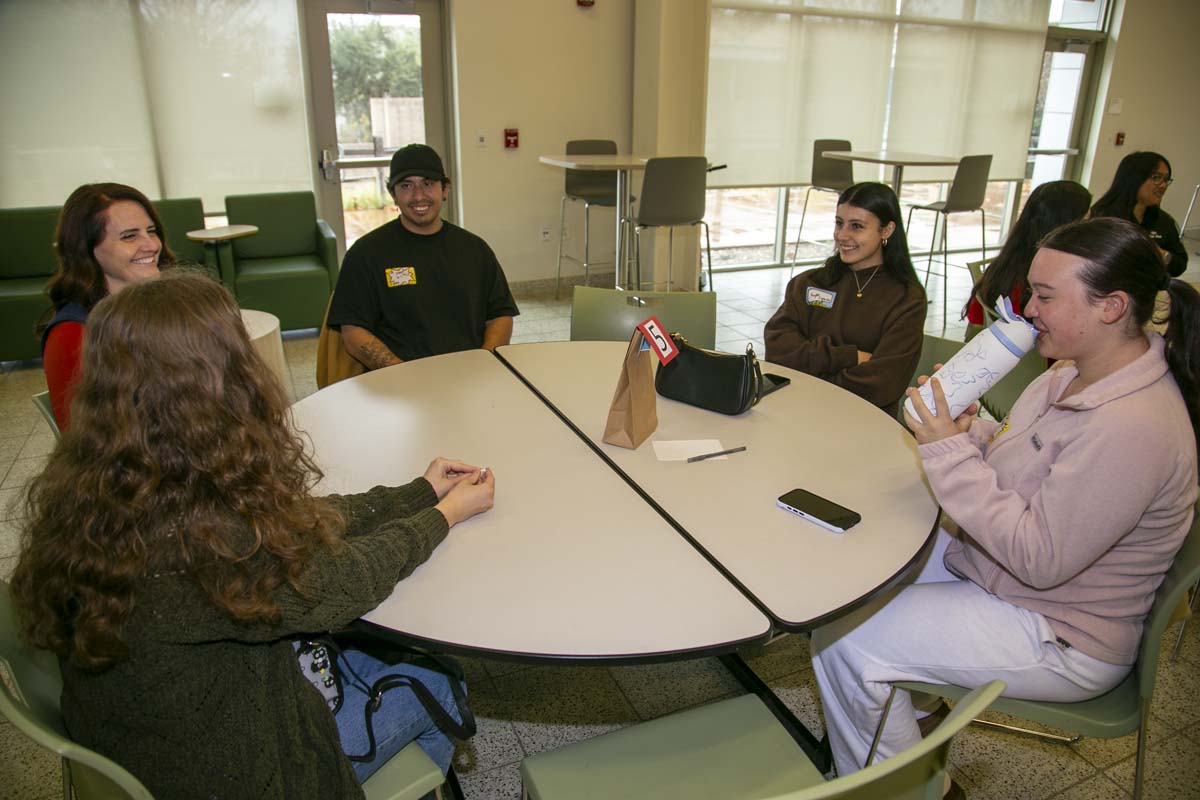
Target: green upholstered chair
[42, 401]
[1127, 707]
[33, 708]
[611, 315]
[735, 749]
[290, 266]
[27, 261]
[934, 350]
[180, 215]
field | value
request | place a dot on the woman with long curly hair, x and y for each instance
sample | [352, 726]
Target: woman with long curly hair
[858, 320]
[174, 551]
[108, 236]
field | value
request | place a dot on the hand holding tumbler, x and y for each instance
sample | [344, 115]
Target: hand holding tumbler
[982, 362]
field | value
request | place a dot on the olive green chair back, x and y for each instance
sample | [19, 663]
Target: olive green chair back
[736, 749]
[1127, 707]
[42, 401]
[1000, 399]
[611, 315]
[32, 706]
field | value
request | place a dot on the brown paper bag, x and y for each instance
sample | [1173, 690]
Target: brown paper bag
[633, 415]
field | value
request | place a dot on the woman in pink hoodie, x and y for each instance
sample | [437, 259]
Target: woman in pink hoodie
[1065, 516]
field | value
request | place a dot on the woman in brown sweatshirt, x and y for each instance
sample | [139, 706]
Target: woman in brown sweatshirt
[858, 320]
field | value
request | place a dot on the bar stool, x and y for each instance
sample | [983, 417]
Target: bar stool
[966, 193]
[593, 189]
[672, 196]
[828, 175]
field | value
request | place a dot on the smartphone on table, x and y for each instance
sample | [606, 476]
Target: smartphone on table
[771, 382]
[817, 509]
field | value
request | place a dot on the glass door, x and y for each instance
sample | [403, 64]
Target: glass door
[378, 83]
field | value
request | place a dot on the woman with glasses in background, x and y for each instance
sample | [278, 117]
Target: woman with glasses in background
[1136, 195]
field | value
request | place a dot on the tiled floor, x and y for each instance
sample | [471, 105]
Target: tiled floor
[526, 709]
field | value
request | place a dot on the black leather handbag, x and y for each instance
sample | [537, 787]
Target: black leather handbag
[722, 382]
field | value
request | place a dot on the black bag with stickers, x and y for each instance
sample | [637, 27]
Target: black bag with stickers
[318, 659]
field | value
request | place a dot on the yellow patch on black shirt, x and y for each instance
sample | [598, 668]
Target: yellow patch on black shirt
[400, 276]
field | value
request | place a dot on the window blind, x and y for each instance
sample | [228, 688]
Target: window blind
[946, 77]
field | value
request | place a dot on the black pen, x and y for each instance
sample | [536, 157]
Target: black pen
[718, 453]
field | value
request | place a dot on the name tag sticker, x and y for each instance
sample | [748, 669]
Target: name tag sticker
[662, 344]
[400, 276]
[822, 298]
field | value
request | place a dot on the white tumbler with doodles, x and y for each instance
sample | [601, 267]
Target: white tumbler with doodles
[981, 363]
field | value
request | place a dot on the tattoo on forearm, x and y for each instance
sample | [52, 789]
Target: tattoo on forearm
[376, 355]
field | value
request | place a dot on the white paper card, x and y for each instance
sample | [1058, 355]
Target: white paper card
[683, 449]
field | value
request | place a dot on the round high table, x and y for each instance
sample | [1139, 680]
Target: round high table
[263, 330]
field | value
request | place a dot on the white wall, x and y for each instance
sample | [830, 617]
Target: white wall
[1153, 67]
[556, 72]
[74, 105]
[669, 101]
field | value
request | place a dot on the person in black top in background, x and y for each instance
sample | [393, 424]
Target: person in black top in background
[1136, 195]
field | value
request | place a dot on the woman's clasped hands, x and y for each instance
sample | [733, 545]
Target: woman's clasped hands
[463, 490]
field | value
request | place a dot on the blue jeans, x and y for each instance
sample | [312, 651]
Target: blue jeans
[400, 718]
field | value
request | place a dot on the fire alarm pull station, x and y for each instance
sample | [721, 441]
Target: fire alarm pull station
[1120, 140]
[510, 138]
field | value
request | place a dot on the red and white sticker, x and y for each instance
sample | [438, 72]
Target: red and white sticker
[659, 340]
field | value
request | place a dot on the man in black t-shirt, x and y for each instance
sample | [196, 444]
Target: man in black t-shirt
[419, 286]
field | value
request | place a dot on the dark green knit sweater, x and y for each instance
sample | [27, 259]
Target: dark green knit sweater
[205, 707]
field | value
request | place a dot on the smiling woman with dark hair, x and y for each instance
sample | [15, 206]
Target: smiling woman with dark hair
[109, 236]
[858, 320]
[1136, 195]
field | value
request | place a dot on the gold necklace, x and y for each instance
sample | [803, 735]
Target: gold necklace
[864, 285]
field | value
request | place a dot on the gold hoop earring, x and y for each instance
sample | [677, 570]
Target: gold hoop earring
[885, 241]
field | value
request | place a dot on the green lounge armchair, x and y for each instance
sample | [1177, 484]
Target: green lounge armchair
[27, 261]
[288, 268]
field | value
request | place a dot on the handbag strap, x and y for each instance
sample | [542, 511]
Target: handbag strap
[442, 718]
[759, 385]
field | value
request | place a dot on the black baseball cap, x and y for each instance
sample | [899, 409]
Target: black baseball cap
[416, 159]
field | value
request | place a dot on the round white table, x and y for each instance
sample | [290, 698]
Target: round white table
[594, 552]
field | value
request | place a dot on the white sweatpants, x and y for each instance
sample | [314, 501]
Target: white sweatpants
[940, 629]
